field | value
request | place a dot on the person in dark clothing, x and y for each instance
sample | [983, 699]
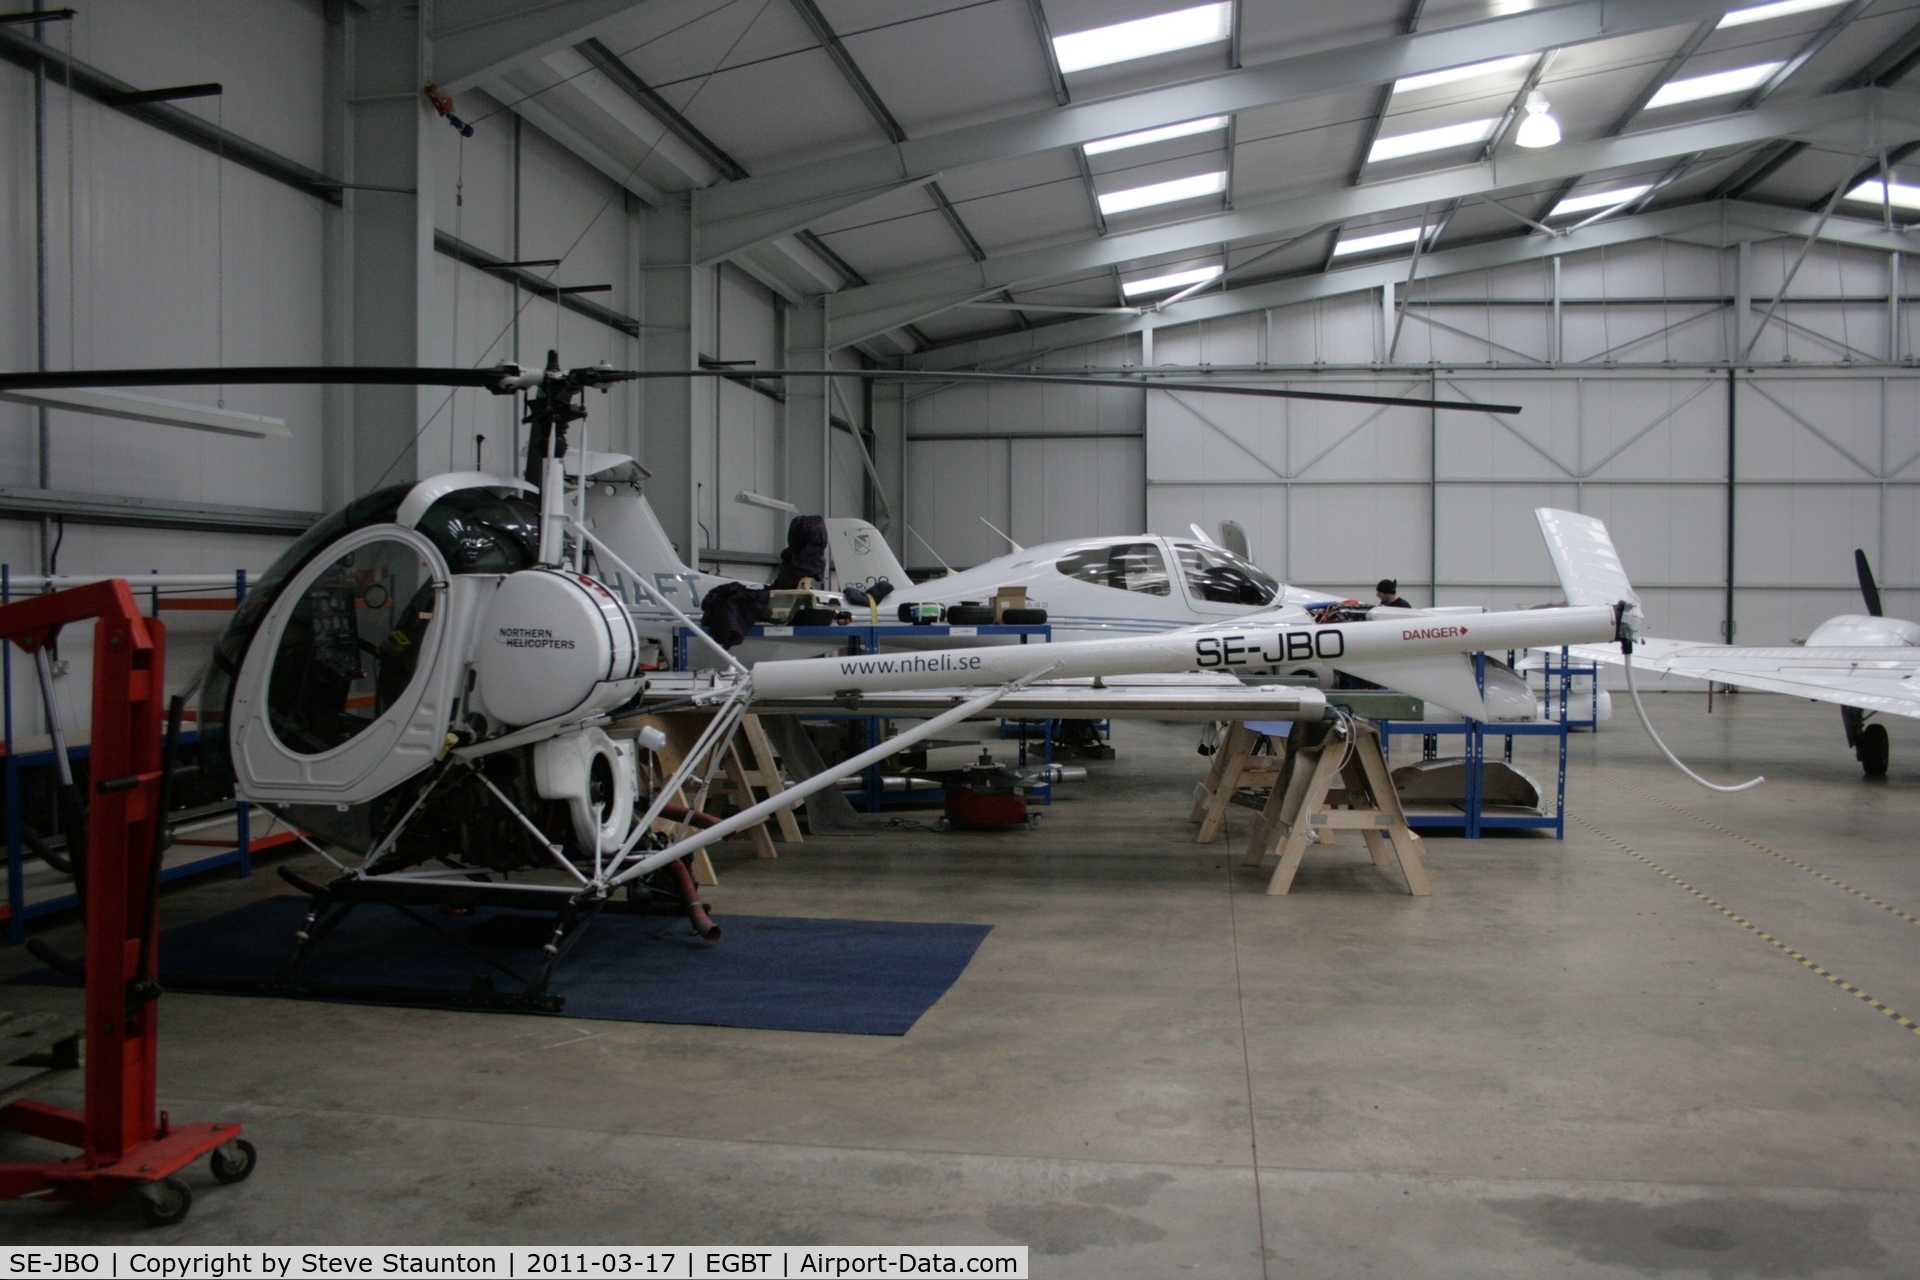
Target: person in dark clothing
[1389, 592]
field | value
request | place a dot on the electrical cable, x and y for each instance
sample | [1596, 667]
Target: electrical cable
[1632, 688]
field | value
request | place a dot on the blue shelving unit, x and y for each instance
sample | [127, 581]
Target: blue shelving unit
[1473, 816]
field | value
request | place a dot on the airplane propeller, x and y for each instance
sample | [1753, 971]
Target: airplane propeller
[1869, 591]
[505, 379]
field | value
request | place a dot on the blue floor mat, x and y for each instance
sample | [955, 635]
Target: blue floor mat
[780, 973]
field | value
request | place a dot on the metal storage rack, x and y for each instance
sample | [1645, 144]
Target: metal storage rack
[1473, 817]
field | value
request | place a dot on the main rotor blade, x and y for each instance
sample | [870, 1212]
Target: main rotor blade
[242, 375]
[1869, 590]
[492, 380]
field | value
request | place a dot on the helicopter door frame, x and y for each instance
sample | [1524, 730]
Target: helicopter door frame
[399, 743]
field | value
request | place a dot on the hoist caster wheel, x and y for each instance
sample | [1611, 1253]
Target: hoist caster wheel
[165, 1202]
[235, 1167]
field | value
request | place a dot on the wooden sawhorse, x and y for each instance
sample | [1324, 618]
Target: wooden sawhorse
[1235, 765]
[735, 778]
[1329, 762]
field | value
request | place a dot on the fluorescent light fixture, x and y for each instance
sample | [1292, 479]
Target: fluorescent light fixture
[1903, 196]
[1717, 85]
[1384, 240]
[1161, 134]
[1599, 200]
[752, 499]
[1779, 9]
[1144, 37]
[1473, 70]
[1177, 280]
[1203, 184]
[1413, 144]
[165, 413]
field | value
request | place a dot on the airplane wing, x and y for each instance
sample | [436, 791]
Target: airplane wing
[1872, 679]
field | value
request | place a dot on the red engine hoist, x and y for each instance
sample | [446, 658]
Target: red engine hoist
[124, 1142]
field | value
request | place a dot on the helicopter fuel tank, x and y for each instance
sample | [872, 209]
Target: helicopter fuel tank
[553, 643]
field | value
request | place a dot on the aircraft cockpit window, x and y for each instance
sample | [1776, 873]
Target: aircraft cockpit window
[351, 646]
[1217, 575]
[1128, 566]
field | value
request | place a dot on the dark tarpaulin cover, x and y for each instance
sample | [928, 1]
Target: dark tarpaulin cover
[806, 553]
[730, 609]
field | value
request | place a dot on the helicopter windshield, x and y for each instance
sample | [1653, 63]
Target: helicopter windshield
[477, 531]
[351, 645]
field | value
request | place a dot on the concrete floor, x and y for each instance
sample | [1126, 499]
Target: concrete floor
[1562, 1063]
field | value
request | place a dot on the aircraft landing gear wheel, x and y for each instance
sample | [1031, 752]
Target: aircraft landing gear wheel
[234, 1167]
[165, 1202]
[1874, 750]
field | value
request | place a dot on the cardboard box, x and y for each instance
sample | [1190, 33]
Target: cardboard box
[1008, 598]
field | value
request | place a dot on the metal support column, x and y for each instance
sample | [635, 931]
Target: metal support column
[666, 342]
[390, 236]
[809, 434]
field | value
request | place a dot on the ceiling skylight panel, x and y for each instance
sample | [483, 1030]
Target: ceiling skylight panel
[1161, 134]
[1176, 280]
[1144, 37]
[1384, 240]
[1203, 184]
[1903, 196]
[1413, 144]
[1778, 9]
[1717, 85]
[1473, 70]
[1599, 200]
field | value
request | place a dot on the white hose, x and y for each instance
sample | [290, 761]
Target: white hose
[1648, 726]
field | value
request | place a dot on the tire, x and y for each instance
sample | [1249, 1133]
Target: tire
[968, 615]
[811, 618]
[1874, 750]
[1024, 617]
[165, 1202]
[237, 1169]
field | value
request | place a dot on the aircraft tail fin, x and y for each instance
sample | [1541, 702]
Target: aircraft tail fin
[860, 554]
[1583, 556]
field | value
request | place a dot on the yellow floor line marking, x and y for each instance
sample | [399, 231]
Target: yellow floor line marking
[1791, 861]
[1754, 929]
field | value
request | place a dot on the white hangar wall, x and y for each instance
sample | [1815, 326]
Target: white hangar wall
[1623, 415]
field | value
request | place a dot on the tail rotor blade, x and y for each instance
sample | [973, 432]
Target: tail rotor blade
[1868, 590]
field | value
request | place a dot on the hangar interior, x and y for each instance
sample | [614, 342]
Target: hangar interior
[1604, 1056]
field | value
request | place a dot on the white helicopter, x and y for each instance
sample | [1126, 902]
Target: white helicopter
[430, 680]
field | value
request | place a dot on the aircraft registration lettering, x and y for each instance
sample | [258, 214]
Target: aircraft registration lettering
[1282, 646]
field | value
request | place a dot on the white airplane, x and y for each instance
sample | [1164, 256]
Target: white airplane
[1106, 587]
[1867, 663]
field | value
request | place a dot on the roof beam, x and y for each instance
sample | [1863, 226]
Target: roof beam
[1716, 223]
[1040, 28]
[478, 39]
[849, 69]
[1864, 120]
[1668, 70]
[1886, 69]
[735, 217]
[629, 82]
